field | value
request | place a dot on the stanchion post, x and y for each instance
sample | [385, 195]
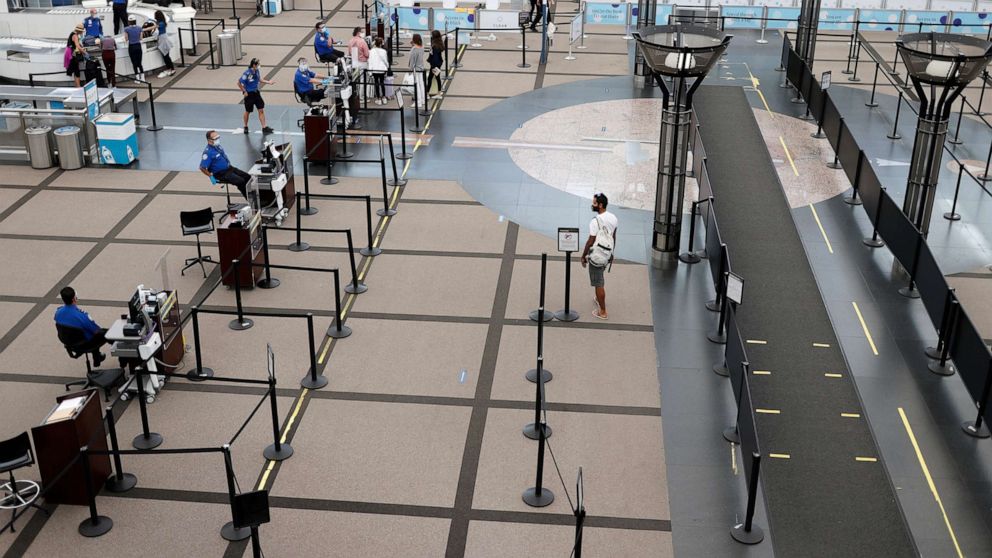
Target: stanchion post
[541, 314]
[396, 180]
[95, 525]
[853, 199]
[119, 481]
[199, 373]
[146, 440]
[957, 133]
[895, 124]
[538, 496]
[953, 215]
[386, 211]
[267, 282]
[321, 16]
[910, 291]
[943, 367]
[835, 164]
[308, 210]
[689, 256]
[986, 176]
[976, 428]
[416, 105]
[717, 302]
[299, 245]
[874, 241]
[354, 286]
[523, 48]
[337, 330]
[229, 532]
[240, 323]
[403, 156]
[857, 59]
[874, 84]
[747, 532]
[720, 337]
[369, 250]
[312, 380]
[531, 430]
[344, 141]
[933, 352]
[567, 314]
[278, 450]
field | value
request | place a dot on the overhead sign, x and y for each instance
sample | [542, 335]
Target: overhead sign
[735, 288]
[92, 97]
[568, 239]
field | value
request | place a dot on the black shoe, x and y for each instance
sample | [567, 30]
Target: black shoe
[246, 129]
[98, 359]
[267, 130]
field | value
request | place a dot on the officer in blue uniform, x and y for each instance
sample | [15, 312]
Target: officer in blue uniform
[216, 164]
[305, 80]
[120, 15]
[92, 25]
[324, 46]
[249, 83]
[72, 316]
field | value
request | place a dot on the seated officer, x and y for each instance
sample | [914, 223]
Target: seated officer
[72, 316]
[93, 25]
[305, 81]
[215, 163]
[324, 46]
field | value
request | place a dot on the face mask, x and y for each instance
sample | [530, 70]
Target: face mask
[217, 141]
[304, 67]
[361, 35]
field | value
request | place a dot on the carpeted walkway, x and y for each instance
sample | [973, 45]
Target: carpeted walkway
[826, 488]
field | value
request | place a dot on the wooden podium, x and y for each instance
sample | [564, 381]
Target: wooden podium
[232, 241]
[57, 443]
[169, 321]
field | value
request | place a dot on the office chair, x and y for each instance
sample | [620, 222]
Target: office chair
[227, 191]
[16, 453]
[76, 345]
[197, 223]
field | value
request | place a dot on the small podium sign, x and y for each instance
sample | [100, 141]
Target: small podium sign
[568, 239]
[735, 288]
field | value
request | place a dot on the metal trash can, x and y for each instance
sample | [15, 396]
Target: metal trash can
[225, 48]
[39, 146]
[288, 5]
[239, 53]
[70, 147]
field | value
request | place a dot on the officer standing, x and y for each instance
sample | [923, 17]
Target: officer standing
[92, 25]
[249, 83]
[215, 163]
[120, 15]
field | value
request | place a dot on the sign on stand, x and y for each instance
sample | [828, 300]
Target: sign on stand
[735, 288]
[825, 80]
[575, 32]
[568, 239]
[92, 97]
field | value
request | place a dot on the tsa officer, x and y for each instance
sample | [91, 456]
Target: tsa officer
[215, 163]
[305, 80]
[92, 25]
[249, 83]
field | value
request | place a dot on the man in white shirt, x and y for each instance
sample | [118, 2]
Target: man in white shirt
[597, 274]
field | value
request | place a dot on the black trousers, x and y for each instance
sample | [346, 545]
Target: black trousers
[135, 53]
[430, 79]
[380, 84]
[236, 177]
[535, 6]
[120, 17]
[95, 343]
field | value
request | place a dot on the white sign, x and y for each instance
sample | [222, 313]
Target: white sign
[575, 28]
[735, 288]
[568, 239]
[270, 360]
[92, 98]
[500, 20]
[825, 80]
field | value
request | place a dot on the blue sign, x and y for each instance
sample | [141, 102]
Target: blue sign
[783, 18]
[971, 22]
[742, 17]
[925, 22]
[445, 19]
[836, 20]
[662, 14]
[92, 97]
[879, 20]
[606, 14]
[413, 18]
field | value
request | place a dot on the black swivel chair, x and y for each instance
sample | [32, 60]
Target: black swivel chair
[16, 453]
[197, 223]
[76, 345]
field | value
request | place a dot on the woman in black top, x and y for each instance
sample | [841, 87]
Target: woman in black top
[436, 61]
[76, 48]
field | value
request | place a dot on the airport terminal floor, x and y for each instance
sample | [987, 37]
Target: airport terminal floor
[356, 375]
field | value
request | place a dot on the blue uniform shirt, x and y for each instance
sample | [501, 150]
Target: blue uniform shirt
[93, 26]
[302, 81]
[250, 80]
[133, 33]
[120, 2]
[214, 159]
[161, 28]
[321, 42]
[72, 316]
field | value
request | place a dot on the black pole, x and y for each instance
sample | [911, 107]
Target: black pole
[369, 250]
[396, 180]
[541, 315]
[853, 200]
[344, 141]
[299, 245]
[531, 430]
[338, 330]
[268, 282]
[984, 177]
[874, 241]
[229, 532]
[120, 481]
[871, 103]
[199, 373]
[567, 314]
[146, 440]
[981, 96]
[715, 304]
[538, 496]
[857, 59]
[96, 524]
[239, 323]
[308, 210]
[955, 140]
[895, 124]
[523, 48]
[403, 154]
[354, 287]
[720, 337]
[909, 291]
[386, 211]
[278, 451]
[210, 41]
[976, 428]
[446, 75]
[942, 367]
[934, 352]
[321, 16]
[953, 215]
[416, 105]
[690, 256]
[835, 164]
[580, 517]
[329, 180]
[151, 107]
[312, 381]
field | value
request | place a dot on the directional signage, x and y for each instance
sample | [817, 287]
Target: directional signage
[568, 239]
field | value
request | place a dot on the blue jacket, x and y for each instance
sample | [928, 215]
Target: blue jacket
[214, 159]
[72, 316]
[301, 82]
[250, 80]
[322, 43]
[93, 26]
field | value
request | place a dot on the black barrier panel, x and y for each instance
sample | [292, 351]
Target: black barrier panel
[713, 245]
[698, 156]
[734, 353]
[931, 284]
[831, 121]
[870, 189]
[848, 153]
[746, 429]
[794, 70]
[898, 232]
[805, 79]
[970, 355]
[814, 98]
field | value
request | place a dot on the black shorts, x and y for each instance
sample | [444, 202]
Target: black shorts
[254, 100]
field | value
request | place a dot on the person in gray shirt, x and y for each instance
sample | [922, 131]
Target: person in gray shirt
[416, 64]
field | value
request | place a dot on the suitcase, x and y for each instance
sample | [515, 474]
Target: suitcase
[91, 71]
[389, 86]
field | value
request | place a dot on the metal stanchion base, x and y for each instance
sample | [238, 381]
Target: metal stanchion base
[946, 370]
[94, 527]
[204, 373]
[345, 155]
[871, 105]
[416, 129]
[546, 374]
[951, 216]
[689, 257]
[712, 305]
[985, 177]
[385, 212]
[298, 247]
[523, 65]
[230, 533]
[909, 292]
[835, 164]
[845, 72]
[796, 100]
[969, 429]
[780, 69]
[721, 369]
[953, 141]
[852, 200]
[403, 157]
[153, 441]
[932, 353]
[546, 317]
[873, 242]
[329, 181]
[535, 500]
[731, 435]
[240, 325]
[267, 283]
[333, 332]
[762, 41]
[153, 128]
[754, 536]
[370, 252]
[717, 338]
[394, 183]
[311, 383]
[894, 136]
[309, 210]
[818, 135]
[285, 452]
[564, 316]
[350, 288]
[123, 484]
[532, 433]
[854, 79]
[806, 117]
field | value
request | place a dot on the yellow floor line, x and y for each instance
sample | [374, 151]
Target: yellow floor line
[833, 375]
[822, 345]
[850, 415]
[788, 155]
[822, 230]
[864, 327]
[763, 411]
[323, 353]
[285, 434]
[780, 455]
[365, 269]
[926, 474]
[866, 459]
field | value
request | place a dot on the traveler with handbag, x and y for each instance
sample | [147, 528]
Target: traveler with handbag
[164, 45]
[436, 61]
[379, 65]
[416, 65]
[598, 252]
[74, 53]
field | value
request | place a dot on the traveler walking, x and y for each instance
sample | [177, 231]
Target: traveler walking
[598, 252]
[436, 61]
[379, 65]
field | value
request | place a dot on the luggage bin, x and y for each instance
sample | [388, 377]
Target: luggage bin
[272, 8]
[225, 47]
[289, 5]
[69, 146]
[117, 138]
[39, 146]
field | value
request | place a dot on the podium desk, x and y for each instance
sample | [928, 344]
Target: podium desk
[57, 443]
[169, 322]
[233, 241]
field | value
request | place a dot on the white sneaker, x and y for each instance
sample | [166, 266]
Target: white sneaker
[171, 73]
[163, 74]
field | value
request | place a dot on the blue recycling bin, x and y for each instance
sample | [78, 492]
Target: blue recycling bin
[117, 138]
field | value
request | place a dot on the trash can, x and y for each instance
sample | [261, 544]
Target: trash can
[288, 5]
[238, 52]
[117, 137]
[69, 146]
[39, 146]
[225, 47]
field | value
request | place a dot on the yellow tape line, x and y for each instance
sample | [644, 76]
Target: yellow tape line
[850, 415]
[780, 455]
[323, 352]
[768, 411]
[285, 434]
[788, 156]
[864, 327]
[822, 230]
